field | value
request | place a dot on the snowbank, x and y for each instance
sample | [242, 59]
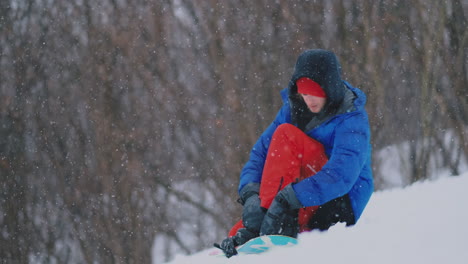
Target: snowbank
[423, 223]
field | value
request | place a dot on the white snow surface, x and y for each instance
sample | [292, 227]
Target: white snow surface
[425, 223]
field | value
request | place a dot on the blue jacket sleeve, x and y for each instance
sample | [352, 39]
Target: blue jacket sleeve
[253, 169]
[340, 173]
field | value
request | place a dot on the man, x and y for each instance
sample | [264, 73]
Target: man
[311, 168]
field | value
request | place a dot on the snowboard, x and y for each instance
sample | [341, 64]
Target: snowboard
[260, 244]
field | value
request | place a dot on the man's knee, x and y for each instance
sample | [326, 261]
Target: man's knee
[287, 129]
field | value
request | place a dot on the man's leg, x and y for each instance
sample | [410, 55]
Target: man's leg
[235, 228]
[292, 156]
[332, 212]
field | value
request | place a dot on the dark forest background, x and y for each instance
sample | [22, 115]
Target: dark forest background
[124, 124]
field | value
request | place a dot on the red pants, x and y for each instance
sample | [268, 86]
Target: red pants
[292, 156]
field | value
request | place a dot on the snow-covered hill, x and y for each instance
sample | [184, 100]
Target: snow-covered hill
[425, 223]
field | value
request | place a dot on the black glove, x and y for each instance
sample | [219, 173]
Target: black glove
[281, 218]
[252, 213]
[228, 245]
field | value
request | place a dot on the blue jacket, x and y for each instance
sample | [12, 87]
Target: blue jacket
[346, 139]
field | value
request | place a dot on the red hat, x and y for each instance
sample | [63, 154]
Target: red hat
[307, 86]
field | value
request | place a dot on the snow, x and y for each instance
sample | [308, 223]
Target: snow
[426, 222]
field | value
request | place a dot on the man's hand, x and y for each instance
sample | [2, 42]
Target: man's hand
[228, 245]
[281, 218]
[252, 213]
